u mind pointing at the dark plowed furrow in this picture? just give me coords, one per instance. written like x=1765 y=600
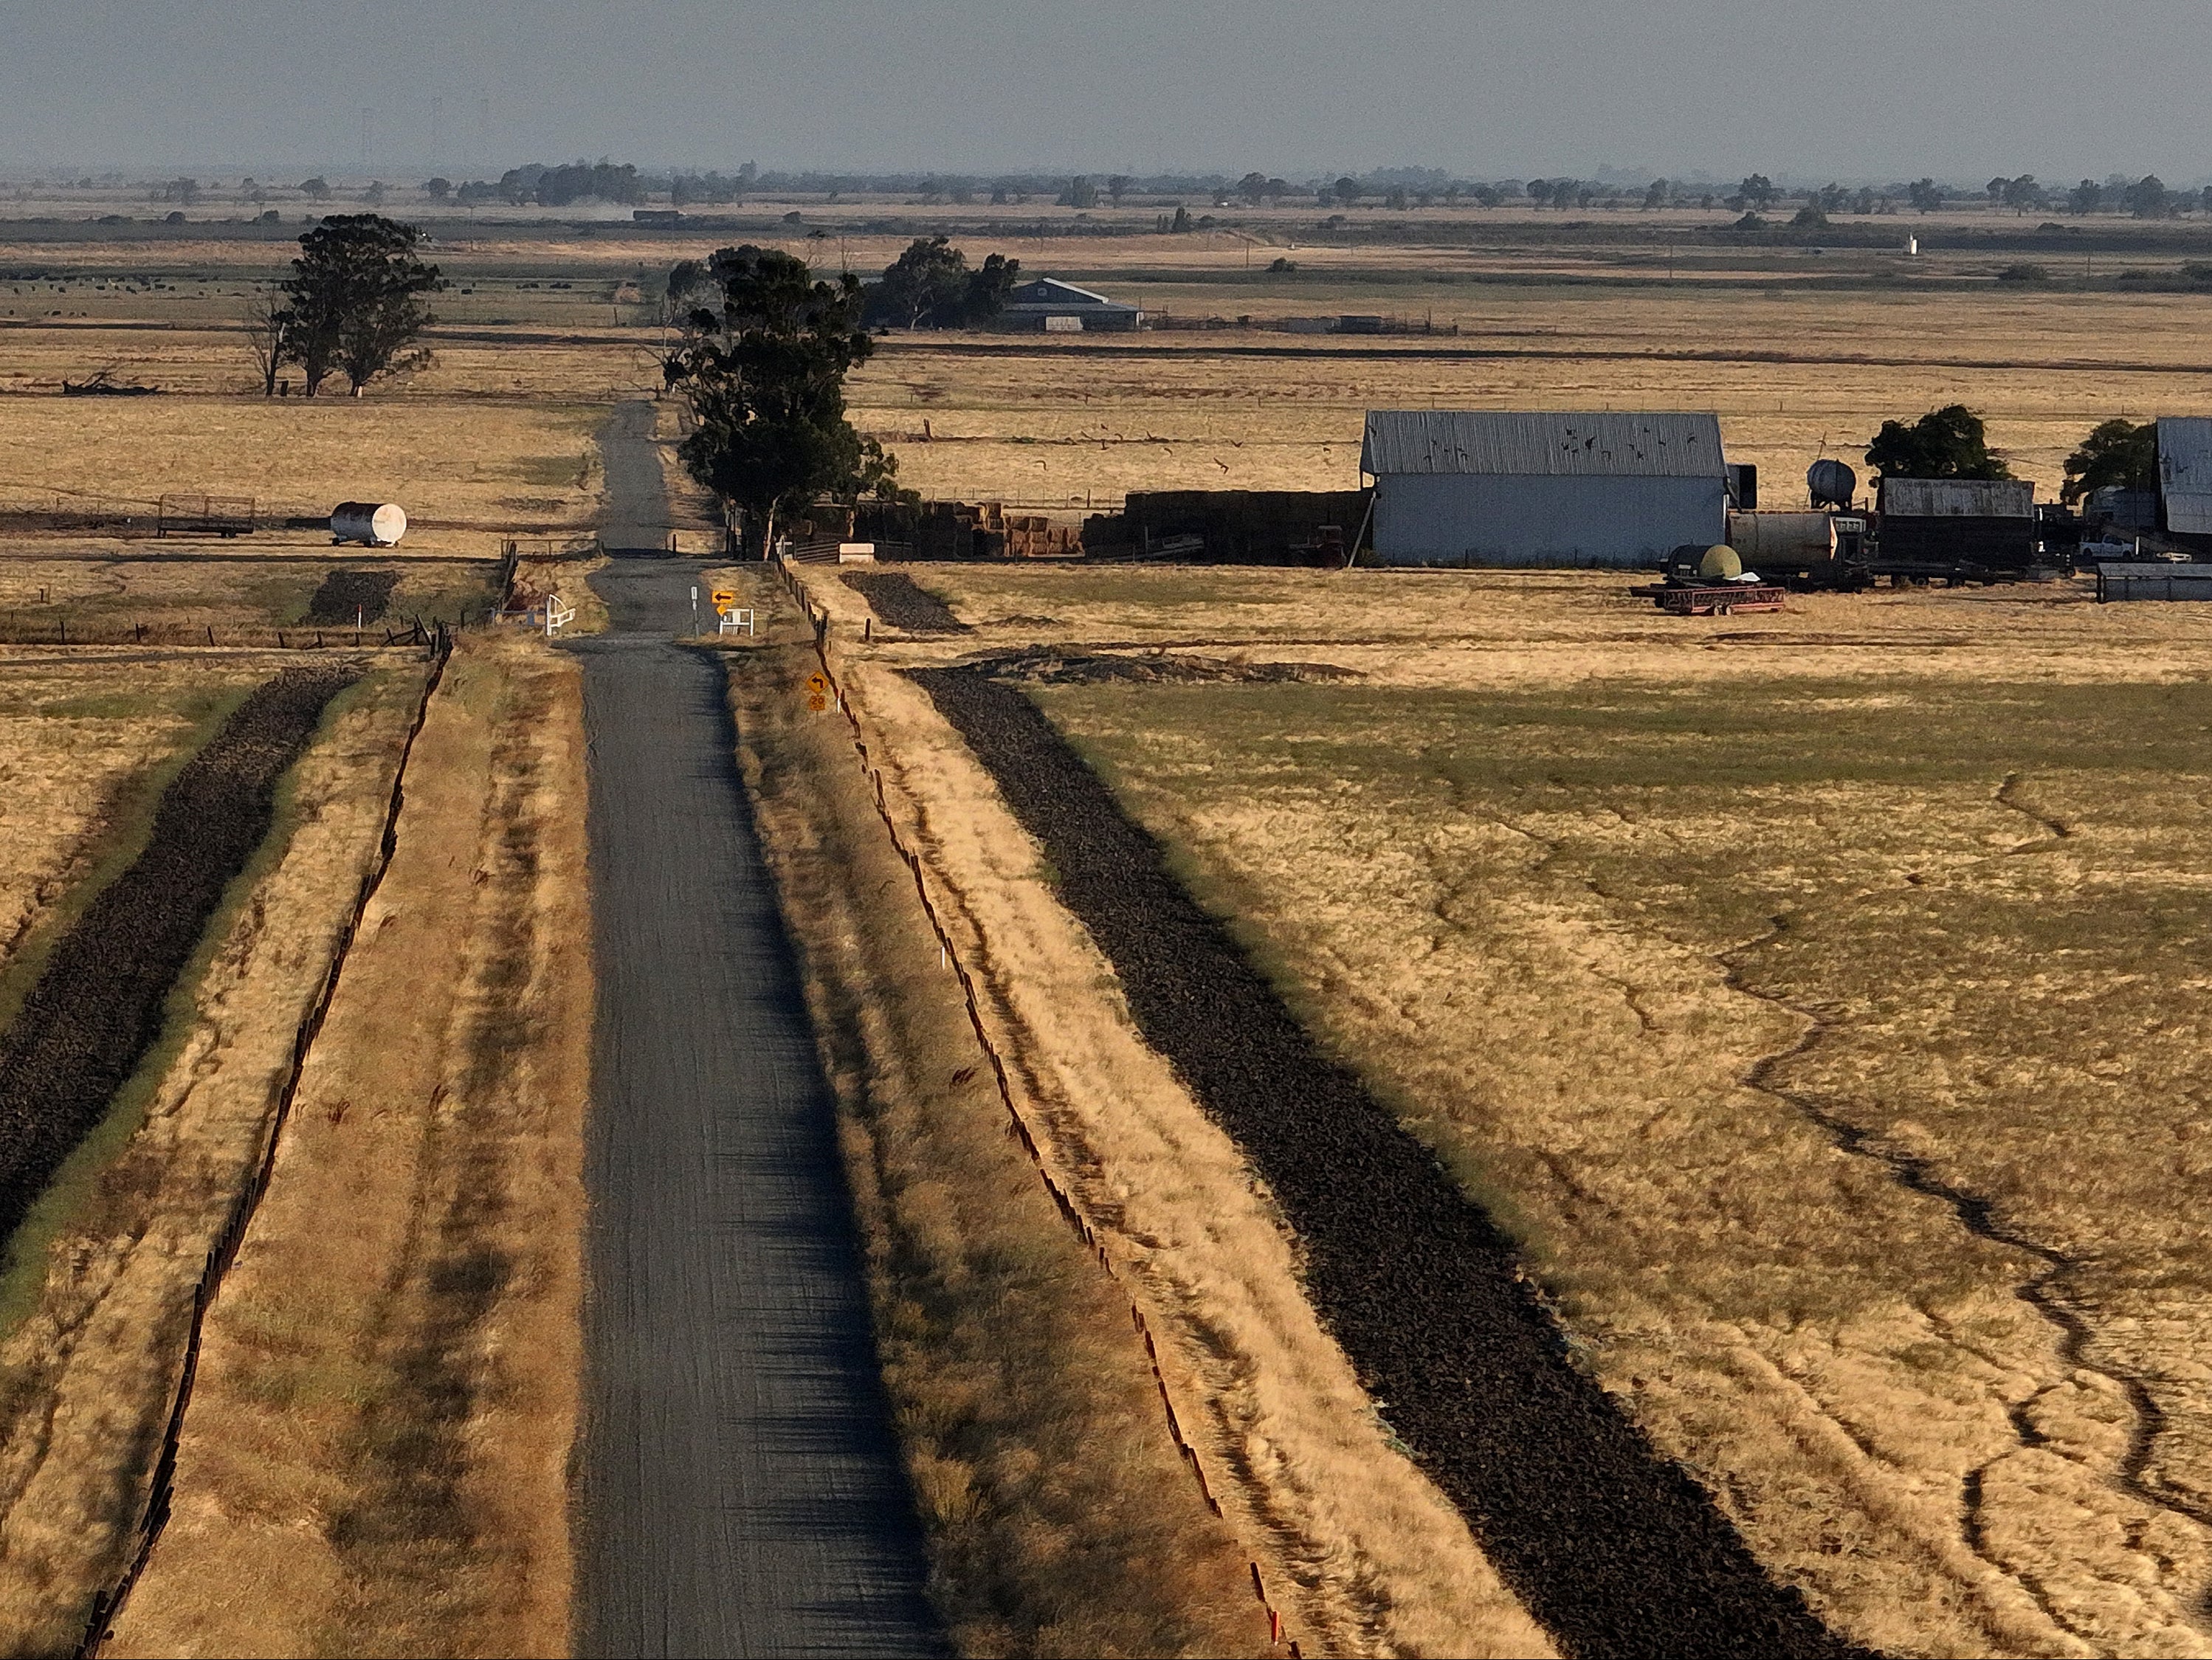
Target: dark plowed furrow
x=98 y=1007
x=352 y=596
x=1613 y=1548
x=898 y=603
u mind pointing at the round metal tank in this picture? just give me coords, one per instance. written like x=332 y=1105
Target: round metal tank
x=380 y=524
x=1832 y=483
x=1784 y=539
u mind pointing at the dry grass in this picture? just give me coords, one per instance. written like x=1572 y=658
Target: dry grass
x=104 y=590
x=1616 y=912
x=1058 y=425
x=102 y=1282
x=1365 y=1555
x=466 y=472
x=376 y=1461
x=1061 y=1519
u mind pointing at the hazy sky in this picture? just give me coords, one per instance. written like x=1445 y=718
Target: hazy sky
x=1490 y=88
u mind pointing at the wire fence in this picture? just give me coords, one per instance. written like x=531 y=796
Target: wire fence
x=411 y=631
x=161 y=1484
x=1018 y=1127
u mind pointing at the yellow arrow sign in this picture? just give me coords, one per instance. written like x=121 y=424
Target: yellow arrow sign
x=725 y=597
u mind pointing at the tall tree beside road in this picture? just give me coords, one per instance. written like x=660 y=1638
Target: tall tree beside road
x=1926 y=197
x=1946 y=443
x=766 y=388
x=353 y=299
x=2087 y=197
x=2116 y=453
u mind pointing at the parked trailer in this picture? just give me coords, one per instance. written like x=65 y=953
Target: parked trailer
x=2153 y=581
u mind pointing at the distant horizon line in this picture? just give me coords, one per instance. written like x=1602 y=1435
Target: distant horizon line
x=20 y=173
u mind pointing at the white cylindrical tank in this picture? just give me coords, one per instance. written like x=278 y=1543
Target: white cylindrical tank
x=380 y=524
x=1782 y=539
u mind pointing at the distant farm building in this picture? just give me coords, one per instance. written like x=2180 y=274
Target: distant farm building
x=1953 y=526
x=1057 y=308
x=1461 y=487
x=2184 y=478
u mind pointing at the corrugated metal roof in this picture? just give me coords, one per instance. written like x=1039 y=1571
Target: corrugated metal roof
x=1521 y=443
x=1959 y=498
x=1051 y=291
x=2185 y=472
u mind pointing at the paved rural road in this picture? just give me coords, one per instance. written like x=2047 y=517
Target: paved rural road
x=740 y=1490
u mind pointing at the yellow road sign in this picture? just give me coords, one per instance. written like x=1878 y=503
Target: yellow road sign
x=725 y=597
x=818 y=683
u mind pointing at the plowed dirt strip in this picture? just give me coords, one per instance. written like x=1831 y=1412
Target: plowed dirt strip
x=892 y=595
x=85 y=1025
x=1615 y=1551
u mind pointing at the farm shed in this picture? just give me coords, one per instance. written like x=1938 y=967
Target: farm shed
x=2153 y=581
x=1052 y=306
x=1945 y=526
x=1466 y=487
x=2185 y=477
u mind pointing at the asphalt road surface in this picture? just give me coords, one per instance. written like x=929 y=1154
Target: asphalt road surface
x=740 y=1492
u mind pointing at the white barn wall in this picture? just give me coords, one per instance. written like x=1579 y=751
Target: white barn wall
x=1515 y=519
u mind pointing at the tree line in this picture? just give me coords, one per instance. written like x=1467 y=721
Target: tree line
x=1952 y=442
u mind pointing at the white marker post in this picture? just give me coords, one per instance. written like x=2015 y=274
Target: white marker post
x=695 y=608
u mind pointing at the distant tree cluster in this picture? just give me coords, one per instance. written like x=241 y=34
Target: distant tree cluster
x=352 y=305
x=931 y=285
x=1946 y=443
x=2117 y=454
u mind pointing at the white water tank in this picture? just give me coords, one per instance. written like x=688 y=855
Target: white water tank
x=378 y=524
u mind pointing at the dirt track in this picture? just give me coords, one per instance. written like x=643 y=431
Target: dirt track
x=98 y=1005
x=1614 y=1550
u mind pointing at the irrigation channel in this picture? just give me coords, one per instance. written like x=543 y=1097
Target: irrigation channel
x=98 y=1004
x=740 y=1492
x=1617 y=1551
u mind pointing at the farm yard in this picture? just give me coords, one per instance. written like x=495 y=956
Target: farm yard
x=1759 y=1053
x=1801 y=1064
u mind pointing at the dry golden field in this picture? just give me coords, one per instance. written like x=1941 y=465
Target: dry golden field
x=100 y=1279
x=1065 y=422
x=375 y=1460
x=1800 y=988
x=1814 y=994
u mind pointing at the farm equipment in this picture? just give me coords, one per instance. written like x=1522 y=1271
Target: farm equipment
x=1710 y=582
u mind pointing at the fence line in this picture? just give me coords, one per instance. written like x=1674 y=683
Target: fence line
x=417 y=632
x=1017 y=1125
x=160 y=1487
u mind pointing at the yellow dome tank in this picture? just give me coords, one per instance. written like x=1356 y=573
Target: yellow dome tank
x=1720 y=563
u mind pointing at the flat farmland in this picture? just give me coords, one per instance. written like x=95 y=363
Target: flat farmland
x=1817 y=1001
x=76 y=734
x=1792 y=375
x=469 y=471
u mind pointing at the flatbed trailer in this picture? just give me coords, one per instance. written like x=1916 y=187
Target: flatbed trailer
x=1713 y=599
